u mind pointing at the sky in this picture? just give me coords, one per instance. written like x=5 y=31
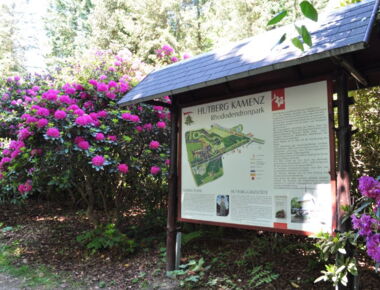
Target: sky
x=32 y=29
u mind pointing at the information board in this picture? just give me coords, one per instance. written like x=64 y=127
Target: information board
x=260 y=161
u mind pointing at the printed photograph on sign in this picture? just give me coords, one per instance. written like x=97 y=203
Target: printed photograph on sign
x=259 y=160
x=222 y=205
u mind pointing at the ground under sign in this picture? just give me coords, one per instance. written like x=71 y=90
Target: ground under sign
x=260 y=161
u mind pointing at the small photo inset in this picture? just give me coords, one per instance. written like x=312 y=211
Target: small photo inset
x=222 y=205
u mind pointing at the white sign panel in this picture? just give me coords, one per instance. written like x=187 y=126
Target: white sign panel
x=261 y=160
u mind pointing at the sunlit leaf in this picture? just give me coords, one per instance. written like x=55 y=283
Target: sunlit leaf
x=306 y=36
x=297 y=43
x=309 y=11
x=276 y=19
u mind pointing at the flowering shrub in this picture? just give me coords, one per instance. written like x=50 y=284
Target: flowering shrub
x=367 y=223
x=66 y=136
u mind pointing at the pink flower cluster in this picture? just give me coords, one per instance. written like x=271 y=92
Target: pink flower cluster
x=83 y=117
x=368 y=224
x=26 y=187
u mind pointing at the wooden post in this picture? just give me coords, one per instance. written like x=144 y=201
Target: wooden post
x=172 y=198
x=343 y=176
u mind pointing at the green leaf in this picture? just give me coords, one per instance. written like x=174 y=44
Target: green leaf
x=309 y=11
x=282 y=39
x=342 y=251
x=306 y=36
x=276 y=19
x=297 y=43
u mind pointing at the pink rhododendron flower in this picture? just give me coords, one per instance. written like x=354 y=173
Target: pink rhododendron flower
x=174 y=59
x=60 y=114
x=65 y=99
x=112 y=138
x=126 y=116
x=155 y=170
x=83 y=120
x=139 y=128
x=43 y=112
x=14 y=145
x=135 y=118
x=79 y=139
x=110 y=95
x=94 y=115
x=53 y=132
x=5 y=160
x=6 y=152
x=26 y=187
x=154 y=144
x=112 y=84
x=148 y=126
x=99 y=136
x=102 y=87
x=167 y=162
x=68 y=89
x=72 y=107
x=117 y=63
x=31 y=119
x=111 y=68
x=102 y=114
x=186 y=55
x=15 y=153
x=161 y=124
x=50 y=95
x=102 y=77
x=84 y=145
x=123 y=87
x=158 y=108
x=24 y=133
x=36 y=88
x=123 y=168
x=24 y=116
x=93 y=82
x=42 y=123
x=84 y=95
x=79 y=112
x=98 y=160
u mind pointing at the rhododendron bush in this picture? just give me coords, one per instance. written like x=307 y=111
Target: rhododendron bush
x=65 y=137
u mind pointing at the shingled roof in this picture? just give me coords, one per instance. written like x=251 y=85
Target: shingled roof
x=337 y=32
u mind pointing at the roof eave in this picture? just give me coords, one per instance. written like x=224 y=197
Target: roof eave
x=297 y=61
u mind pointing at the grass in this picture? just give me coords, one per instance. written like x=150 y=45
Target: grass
x=30 y=276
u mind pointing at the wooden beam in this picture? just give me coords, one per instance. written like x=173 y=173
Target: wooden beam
x=349 y=67
x=171 y=227
x=343 y=176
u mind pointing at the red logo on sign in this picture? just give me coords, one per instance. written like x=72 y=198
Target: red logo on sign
x=278 y=100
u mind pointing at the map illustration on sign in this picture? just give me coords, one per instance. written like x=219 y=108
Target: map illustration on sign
x=206 y=147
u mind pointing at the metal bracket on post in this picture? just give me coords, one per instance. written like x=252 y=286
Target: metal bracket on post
x=178 y=250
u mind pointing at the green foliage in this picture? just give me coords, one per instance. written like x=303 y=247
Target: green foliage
x=189 y=237
x=190 y=274
x=365 y=117
x=335 y=247
x=261 y=276
x=308 y=10
x=106 y=237
x=277 y=18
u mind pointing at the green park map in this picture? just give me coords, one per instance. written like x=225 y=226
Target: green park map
x=205 y=149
